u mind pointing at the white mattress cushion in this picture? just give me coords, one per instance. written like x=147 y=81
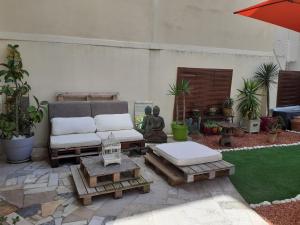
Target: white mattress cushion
x=109 y=122
x=122 y=135
x=72 y=125
x=74 y=140
x=187 y=153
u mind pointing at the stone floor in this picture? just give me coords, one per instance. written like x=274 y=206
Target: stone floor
x=45 y=196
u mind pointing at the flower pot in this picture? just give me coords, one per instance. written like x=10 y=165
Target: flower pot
x=272 y=136
x=17 y=150
x=228 y=112
x=215 y=130
x=251 y=126
x=180 y=132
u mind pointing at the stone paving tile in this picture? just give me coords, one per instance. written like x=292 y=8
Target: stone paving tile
x=84 y=213
x=22 y=221
x=29 y=210
x=69 y=209
x=58 y=221
x=39 y=190
x=45 y=221
x=49 y=208
x=63 y=190
x=53 y=179
x=42 y=197
x=30 y=179
x=38 y=185
x=6 y=208
x=11 y=181
x=15 y=197
x=97 y=220
x=82 y=222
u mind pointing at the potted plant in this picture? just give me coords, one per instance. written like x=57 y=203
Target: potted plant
x=227 y=107
x=249 y=106
x=180 y=129
x=16 y=122
x=266 y=76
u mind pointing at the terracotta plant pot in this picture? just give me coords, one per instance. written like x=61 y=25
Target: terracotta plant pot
x=227 y=112
x=215 y=130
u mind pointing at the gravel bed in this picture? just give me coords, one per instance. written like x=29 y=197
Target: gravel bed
x=248 y=140
x=281 y=214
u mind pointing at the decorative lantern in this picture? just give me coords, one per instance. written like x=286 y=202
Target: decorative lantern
x=111 y=150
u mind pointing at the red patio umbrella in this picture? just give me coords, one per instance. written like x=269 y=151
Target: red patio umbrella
x=284 y=13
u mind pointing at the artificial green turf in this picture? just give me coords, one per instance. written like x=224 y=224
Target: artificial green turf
x=266 y=174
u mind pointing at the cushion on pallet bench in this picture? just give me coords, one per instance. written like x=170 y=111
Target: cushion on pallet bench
x=187 y=153
x=122 y=135
x=109 y=122
x=72 y=125
x=74 y=140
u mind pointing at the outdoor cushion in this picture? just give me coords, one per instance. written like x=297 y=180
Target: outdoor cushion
x=72 y=125
x=122 y=135
x=187 y=153
x=109 y=122
x=74 y=140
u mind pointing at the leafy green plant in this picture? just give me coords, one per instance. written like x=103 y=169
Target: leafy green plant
x=266 y=75
x=17 y=121
x=175 y=91
x=248 y=100
x=3 y=219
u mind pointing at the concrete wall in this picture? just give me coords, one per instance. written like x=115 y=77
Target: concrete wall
x=138 y=73
x=191 y=22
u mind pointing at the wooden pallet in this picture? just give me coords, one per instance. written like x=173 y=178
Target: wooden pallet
x=186 y=174
x=63 y=153
x=133 y=145
x=97 y=174
x=86 y=193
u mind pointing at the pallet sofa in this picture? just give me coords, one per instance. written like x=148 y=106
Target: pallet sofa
x=77 y=128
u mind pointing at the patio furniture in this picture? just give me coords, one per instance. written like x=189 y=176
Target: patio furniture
x=186 y=162
x=92 y=178
x=73 y=128
x=227 y=132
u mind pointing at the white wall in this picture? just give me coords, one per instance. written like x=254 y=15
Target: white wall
x=192 y=22
x=136 y=72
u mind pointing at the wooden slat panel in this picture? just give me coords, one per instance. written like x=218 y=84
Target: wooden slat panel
x=288 y=88
x=207 y=87
x=108 y=187
x=125 y=184
x=100 y=189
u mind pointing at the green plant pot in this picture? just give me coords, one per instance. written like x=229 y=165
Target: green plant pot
x=180 y=132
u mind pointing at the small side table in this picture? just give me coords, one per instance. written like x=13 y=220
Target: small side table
x=227 y=132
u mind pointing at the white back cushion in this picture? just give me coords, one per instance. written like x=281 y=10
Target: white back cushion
x=72 y=125
x=107 y=122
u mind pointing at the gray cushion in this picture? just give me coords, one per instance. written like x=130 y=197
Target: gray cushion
x=69 y=109
x=108 y=107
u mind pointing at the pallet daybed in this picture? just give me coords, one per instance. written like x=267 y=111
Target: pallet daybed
x=176 y=175
x=85 y=109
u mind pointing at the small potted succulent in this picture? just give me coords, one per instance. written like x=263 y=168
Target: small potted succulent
x=227 y=107
x=17 y=121
x=180 y=129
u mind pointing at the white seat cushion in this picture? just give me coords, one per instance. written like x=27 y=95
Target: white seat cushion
x=109 y=122
x=122 y=135
x=72 y=125
x=74 y=140
x=187 y=153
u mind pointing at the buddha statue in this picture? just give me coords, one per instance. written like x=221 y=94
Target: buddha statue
x=145 y=127
x=154 y=128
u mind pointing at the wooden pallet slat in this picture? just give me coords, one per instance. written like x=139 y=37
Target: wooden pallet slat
x=89 y=190
x=78 y=181
x=125 y=184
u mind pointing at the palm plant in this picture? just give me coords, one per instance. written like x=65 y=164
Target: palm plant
x=175 y=91
x=266 y=75
x=248 y=99
x=185 y=89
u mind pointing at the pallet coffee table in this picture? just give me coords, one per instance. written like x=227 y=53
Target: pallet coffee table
x=176 y=175
x=92 y=178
